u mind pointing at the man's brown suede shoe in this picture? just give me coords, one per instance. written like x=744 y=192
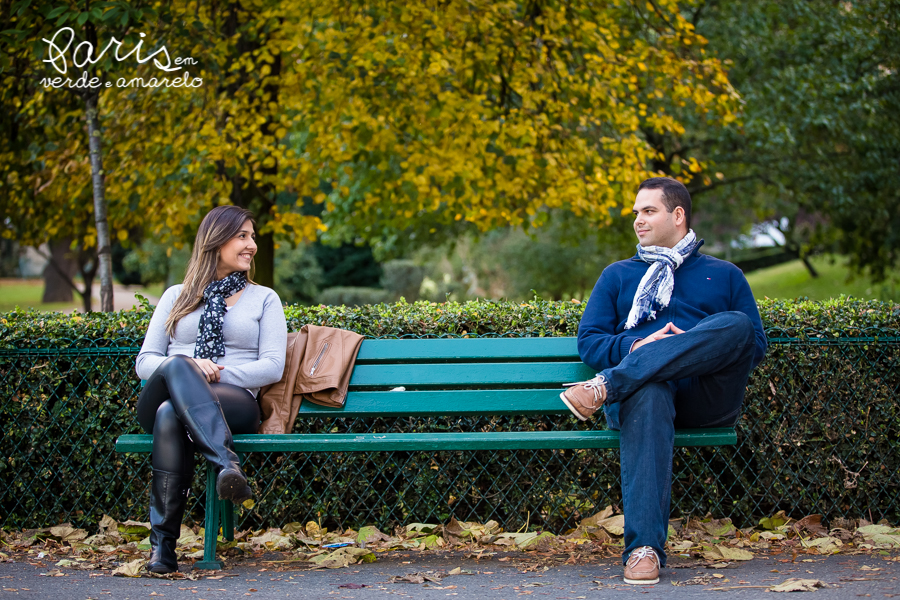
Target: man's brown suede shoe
x=584 y=398
x=642 y=567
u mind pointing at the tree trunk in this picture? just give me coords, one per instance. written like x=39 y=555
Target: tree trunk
x=104 y=253
x=265 y=254
x=87 y=266
x=58 y=273
x=244 y=192
x=265 y=260
x=812 y=270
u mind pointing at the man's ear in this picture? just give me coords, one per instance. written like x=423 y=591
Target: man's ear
x=678 y=215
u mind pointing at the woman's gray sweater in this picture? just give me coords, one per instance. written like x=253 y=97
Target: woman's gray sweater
x=255 y=333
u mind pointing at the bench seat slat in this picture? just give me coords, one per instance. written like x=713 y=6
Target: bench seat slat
x=443 y=403
x=481 y=375
x=461 y=350
x=371 y=442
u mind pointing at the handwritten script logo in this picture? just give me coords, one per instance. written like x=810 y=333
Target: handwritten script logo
x=85 y=53
x=58 y=54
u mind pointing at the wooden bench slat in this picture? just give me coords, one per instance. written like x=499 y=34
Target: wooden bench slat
x=407 y=350
x=480 y=375
x=443 y=403
x=506 y=440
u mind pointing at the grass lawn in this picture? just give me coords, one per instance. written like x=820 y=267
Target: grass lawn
x=27 y=293
x=156 y=290
x=791 y=280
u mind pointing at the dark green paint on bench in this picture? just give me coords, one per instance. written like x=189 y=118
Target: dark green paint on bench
x=434 y=442
x=464 y=377
x=480 y=375
x=542 y=401
x=463 y=350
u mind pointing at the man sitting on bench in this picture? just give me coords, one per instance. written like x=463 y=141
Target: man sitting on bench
x=674 y=335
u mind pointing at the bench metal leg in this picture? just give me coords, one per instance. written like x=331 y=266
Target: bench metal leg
x=226 y=510
x=211 y=524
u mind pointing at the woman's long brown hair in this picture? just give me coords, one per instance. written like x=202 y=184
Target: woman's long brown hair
x=218 y=226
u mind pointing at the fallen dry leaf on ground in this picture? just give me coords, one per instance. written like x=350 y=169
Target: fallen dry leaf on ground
x=810 y=523
x=721 y=552
x=701 y=579
x=131 y=569
x=825 y=545
x=798 y=585
x=416 y=578
x=121 y=547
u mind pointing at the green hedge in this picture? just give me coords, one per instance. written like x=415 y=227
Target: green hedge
x=843 y=317
x=819 y=433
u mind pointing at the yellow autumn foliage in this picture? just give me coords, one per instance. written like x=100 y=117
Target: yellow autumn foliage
x=393 y=116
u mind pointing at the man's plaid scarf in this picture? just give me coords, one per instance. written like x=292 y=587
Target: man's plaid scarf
x=655 y=289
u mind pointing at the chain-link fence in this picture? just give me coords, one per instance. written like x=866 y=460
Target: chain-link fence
x=820 y=433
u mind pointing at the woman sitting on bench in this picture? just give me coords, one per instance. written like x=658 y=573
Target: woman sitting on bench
x=212 y=342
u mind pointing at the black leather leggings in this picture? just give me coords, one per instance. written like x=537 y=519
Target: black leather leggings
x=174 y=387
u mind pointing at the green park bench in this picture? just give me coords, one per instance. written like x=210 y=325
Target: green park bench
x=442 y=377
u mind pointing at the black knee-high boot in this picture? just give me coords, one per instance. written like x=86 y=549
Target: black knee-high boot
x=211 y=435
x=168 y=499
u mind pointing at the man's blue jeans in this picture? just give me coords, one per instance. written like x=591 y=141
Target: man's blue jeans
x=689 y=380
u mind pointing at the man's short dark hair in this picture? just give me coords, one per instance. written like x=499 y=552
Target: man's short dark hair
x=673 y=194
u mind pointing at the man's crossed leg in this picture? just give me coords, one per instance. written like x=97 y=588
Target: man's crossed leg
x=692 y=379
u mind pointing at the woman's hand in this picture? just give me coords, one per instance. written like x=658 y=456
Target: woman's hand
x=209 y=368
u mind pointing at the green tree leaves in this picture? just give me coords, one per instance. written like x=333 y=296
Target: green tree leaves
x=819 y=134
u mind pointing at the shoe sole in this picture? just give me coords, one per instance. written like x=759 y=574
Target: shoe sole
x=233 y=487
x=581 y=417
x=161 y=570
x=641 y=581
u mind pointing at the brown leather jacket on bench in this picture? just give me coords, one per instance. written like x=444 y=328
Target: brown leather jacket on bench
x=317 y=366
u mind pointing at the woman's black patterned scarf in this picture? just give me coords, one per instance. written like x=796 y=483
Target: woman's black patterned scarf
x=210 y=341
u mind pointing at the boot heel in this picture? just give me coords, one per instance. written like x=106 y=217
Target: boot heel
x=232 y=485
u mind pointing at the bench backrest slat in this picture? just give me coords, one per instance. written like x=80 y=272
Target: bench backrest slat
x=464 y=350
x=468 y=375
x=439 y=403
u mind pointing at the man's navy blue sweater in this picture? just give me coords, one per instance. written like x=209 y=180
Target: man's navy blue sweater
x=704 y=286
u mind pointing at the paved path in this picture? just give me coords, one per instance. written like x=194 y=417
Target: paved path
x=872 y=576
x=123 y=296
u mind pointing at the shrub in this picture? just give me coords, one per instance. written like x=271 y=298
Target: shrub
x=156 y=262
x=298 y=276
x=820 y=432
x=403 y=279
x=352 y=296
